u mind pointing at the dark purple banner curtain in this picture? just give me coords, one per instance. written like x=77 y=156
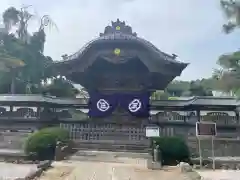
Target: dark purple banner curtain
x=101 y=105
x=136 y=104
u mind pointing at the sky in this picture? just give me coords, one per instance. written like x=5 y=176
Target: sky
x=192 y=29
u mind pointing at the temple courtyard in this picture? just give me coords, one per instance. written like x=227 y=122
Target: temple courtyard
x=109 y=171
x=10 y=171
x=74 y=170
x=220 y=175
x=126 y=168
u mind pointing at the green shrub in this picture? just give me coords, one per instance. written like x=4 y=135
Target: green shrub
x=172 y=150
x=41 y=144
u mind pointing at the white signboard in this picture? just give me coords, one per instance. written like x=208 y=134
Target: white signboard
x=152 y=131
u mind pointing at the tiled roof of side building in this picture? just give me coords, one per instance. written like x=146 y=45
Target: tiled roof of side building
x=39 y=98
x=175 y=103
x=22 y=98
x=215 y=101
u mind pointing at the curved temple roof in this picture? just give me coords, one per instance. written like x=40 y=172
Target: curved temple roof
x=162 y=67
x=120 y=32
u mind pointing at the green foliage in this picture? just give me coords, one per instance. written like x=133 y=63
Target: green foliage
x=41 y=144
x=228 y=73
x=231 y=10
x=56 y=88
x=176 y=88
x=197 y=89
x=37 y=40
x=58 y=133
x=23 y=64
x=172 y=150
x=11 y=17
x=159 y=95
x=203 y=87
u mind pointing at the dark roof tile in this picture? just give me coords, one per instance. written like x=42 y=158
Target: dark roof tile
x=215 y=101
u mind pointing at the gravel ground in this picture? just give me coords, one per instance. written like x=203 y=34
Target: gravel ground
x=220 y=175
x=12 y=171
x=57 y=173
x=111 y=171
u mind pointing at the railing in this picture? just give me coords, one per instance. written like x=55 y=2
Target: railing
x=65 y=115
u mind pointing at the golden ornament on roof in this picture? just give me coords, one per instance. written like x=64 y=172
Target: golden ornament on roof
x=117 y=51
x=118 y=28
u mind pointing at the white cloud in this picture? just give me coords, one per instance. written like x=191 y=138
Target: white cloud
x=173 y=26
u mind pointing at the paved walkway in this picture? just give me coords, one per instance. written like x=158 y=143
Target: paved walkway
x=117 y=171
x=12 y=171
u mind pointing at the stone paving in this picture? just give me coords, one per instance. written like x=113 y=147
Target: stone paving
x=12 y=171
x=57 y=173
x=220 y=175
x=117 y=171
x=131 y=171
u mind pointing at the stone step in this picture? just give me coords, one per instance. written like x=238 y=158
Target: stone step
x=111 y=154
x=114 y=157
x=112 y=146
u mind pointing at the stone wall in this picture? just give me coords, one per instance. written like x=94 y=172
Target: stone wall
x=222 y=147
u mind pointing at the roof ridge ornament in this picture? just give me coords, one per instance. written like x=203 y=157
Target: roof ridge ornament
x=118 y=27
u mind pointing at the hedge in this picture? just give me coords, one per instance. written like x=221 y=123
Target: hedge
x=41 y=144
x=172 y=150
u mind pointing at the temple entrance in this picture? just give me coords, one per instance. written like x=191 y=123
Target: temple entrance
x=118 y=70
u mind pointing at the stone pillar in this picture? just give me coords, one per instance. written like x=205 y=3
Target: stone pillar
x=59 y=155
x=156 y=162
x=155 y=154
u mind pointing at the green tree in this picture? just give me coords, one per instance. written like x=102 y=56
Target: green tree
x=202 y=87
x=196 y=89
x=29 y=48
x=159 y=95
x=228 y=74
x=9 y=63
x=231 y=9
x=55 y=88
x=177 y=88
x=10 y=18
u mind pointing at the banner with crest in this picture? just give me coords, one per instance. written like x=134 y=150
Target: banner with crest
x=101 y=105
x=137 y=104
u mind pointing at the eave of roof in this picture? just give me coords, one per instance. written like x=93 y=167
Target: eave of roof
x=194 y=102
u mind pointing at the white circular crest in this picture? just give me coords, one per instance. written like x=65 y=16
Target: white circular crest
x=135 y=105
x=103 y=105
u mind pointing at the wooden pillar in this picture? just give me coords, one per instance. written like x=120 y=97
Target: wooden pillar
x=237 y=117
x=38 y=112
x=11 y=108
x=198 y=115
x=185 y=116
